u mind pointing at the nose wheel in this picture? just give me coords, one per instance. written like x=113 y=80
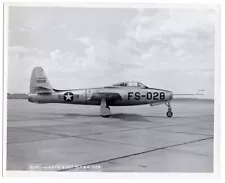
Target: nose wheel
x=169 y=113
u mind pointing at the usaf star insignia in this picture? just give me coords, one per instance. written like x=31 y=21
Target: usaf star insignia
x=68 y=96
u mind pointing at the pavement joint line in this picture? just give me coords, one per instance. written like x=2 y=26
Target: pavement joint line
x=75 y=125
x=42 y=132
x=100 y=140
x=135 y=154
x=183 y=124
x=88 y=138
x=150 y=128
x=81 y=136
x=165 y=125
x=178 y=150
x=72 y=136
x=9 y=143
x=75 y=136
x=183 y=132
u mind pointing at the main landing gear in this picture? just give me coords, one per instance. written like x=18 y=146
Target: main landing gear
x=169 y=113
x=104 y=110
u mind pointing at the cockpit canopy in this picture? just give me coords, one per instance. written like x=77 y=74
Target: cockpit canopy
x=131 y=84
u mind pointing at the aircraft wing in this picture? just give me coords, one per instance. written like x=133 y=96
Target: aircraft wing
x=109 y=96
x=157 y=103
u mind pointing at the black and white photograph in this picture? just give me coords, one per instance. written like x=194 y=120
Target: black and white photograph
x=111 y=88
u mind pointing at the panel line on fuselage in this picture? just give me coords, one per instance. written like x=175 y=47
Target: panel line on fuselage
x=86 y=96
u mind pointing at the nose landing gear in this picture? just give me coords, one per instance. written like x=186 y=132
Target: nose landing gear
x=169 y=113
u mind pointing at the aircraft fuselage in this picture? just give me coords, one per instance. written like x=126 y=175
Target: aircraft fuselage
x=114 y=96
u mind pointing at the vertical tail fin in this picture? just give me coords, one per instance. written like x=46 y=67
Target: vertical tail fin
x=39 y=82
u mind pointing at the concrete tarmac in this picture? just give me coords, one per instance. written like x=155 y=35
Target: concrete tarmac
x=60 y=137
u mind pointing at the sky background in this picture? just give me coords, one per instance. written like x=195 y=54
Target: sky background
x=171 y=49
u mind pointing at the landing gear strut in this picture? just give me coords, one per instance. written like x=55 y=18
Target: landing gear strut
x=104 y=109
x=169 y=113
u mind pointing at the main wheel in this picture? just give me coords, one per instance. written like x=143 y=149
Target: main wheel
x=169 y=114
x=106 y=116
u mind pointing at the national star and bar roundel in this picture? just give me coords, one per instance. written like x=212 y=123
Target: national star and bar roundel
x=68 y=96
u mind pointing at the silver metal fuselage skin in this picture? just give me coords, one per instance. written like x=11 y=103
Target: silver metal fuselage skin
x=115 y=96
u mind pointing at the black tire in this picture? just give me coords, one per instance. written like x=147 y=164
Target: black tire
x=169 y=114
x=106 y=116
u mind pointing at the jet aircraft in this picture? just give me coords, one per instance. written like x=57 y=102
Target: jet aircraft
x=128 y=93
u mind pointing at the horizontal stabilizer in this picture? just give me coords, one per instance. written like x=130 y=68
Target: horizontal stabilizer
x=42 y=90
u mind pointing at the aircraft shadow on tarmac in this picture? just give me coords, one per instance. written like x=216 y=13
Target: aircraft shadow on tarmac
x=129 y=116
x=121 y=116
